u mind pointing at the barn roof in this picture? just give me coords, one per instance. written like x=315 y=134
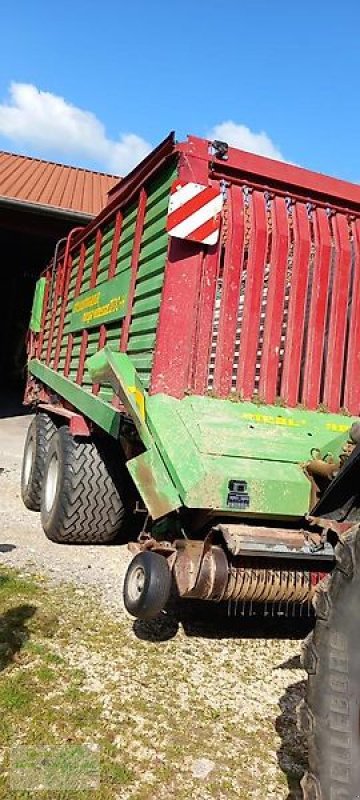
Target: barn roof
x=46 y=183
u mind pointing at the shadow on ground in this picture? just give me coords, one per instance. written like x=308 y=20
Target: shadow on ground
x=211 y=621
x=292 y=754
x=14 y=632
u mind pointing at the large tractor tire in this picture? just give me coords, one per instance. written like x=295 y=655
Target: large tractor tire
x=330 y=717
x=37 y=442
x=80 y=502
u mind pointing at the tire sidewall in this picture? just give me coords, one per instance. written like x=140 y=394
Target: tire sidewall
x=30 y=440
x=49 y=517
x=38 y=437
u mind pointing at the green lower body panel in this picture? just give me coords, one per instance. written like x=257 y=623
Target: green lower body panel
x=204 y=453
x=235 y=457
x=97 y=410
x=151 y=478
x=240 y=457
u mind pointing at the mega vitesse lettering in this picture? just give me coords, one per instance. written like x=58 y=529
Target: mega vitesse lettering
x=104 y=303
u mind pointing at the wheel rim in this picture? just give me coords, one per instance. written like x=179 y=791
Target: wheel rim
x=136 y=584
x=28 y=460
x=52 y=477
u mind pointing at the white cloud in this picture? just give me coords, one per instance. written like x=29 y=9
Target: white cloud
x=49 y=122
x=245 y=139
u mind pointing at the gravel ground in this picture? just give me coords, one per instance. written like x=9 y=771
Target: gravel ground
x=22 y=541
x=249 y=669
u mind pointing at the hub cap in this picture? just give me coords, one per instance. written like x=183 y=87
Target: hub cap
x=51 y=482
x=28 y=461
x=136 y=584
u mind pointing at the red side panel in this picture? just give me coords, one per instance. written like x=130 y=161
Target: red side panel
x=205 y=316
x=134 y=268
x=338 y=315
x=39 y=345
x=102 y=342
x=65 y=293
x=115 y=244
x=252 y=306
x=230 y=296
x=85 y=333
x=55 y=285
x=297 y=305
x=274 y=301
x=96 y=259
x=317 y=314
x=352 y=375
x=111 y=273
x=77 y=292
x=172 y=366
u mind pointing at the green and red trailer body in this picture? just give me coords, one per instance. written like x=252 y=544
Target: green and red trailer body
x=228 y=337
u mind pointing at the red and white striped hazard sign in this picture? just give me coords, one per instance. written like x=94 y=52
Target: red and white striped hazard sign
x=194 y=212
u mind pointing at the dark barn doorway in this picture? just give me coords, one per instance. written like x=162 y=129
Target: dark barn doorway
x=27 y=243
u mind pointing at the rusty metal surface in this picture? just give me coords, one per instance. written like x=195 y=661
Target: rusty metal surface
x=241 y=537
x=205 y=572
x=33 y=180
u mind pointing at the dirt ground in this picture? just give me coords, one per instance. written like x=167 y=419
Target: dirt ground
x=243 y=675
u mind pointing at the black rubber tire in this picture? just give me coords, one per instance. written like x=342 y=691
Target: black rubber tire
x=85 y=506
x=331 y=656
x=37 y=442
x=147 y=602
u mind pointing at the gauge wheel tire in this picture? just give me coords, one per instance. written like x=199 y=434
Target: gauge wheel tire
x=147 y=585
x=329 y=717
x=80 y=502
x=37 y=442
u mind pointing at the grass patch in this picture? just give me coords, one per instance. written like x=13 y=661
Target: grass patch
x=72 y=675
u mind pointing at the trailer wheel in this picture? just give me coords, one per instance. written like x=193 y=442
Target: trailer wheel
x=37 y=442
x=331 y=656
x=80 y=503
x=147 y=585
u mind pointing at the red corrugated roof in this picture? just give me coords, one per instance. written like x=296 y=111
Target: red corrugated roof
x=33 y=180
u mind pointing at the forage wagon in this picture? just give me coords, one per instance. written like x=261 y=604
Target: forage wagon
x=194 y=360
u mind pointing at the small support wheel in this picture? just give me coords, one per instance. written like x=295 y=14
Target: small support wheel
x=147 y=585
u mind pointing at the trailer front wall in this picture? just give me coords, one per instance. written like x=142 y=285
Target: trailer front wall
x=273 y=313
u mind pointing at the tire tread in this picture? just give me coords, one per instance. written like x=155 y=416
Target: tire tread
x=89 y=509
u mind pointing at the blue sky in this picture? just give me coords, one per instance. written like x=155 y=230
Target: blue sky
x=289 y=70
